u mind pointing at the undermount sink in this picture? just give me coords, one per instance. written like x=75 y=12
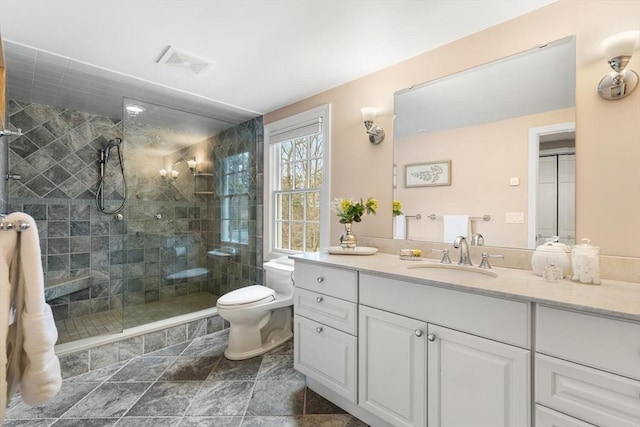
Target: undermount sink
x=453 y=271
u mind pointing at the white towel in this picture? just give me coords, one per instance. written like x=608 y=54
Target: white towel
x=33 y=362
x=454 y=226
x=400 y=231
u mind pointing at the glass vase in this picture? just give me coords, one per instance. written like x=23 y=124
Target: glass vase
x=348 y=240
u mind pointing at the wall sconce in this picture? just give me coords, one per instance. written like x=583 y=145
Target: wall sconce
x=376 y=133
x=164 y=174
x=618 y=49
x=192 y=165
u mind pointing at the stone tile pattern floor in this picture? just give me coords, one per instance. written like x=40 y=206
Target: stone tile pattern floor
x=190 y=384
x=107 y=322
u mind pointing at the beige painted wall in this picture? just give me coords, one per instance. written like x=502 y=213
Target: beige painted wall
x=607 y=132
x=483 y=159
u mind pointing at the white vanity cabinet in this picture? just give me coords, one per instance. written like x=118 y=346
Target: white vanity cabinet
x=417 y=373
x=392 y=367
x=325 y=327
x=587 y=367
x=474 y=381
x=399 y=352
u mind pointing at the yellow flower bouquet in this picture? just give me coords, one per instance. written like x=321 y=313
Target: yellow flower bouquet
x=397 y=208
x=351 y=211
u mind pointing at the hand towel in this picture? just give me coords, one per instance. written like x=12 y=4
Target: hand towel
x=454 y=226
x=400 y=231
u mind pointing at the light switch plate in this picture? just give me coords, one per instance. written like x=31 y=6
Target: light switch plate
x=515 y=218
x=514 y=182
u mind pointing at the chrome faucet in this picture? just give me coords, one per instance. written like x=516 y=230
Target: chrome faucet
x=461 y=242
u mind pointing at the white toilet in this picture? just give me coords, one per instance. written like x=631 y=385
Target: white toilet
x=259 y=316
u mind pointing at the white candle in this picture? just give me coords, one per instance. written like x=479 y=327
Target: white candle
x=174 y=174
x=163 y=173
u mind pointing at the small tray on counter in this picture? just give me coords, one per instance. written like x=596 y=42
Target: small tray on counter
x=358 y=250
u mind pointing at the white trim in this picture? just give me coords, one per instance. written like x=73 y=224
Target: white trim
x=534 y=153
x=324 y=113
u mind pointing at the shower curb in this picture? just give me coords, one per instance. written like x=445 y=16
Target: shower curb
x=83 y=356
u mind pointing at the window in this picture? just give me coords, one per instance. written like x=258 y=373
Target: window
x=296 y=167
x=234 y=198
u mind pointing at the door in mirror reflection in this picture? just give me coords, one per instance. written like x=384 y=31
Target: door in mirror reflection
x=556 y=191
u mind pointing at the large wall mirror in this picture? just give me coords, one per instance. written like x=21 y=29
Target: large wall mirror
x=504 y=135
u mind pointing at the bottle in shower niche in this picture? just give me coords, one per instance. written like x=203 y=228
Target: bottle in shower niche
x=585 y=262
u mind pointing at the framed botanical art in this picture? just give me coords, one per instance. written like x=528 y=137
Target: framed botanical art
x=428 y=174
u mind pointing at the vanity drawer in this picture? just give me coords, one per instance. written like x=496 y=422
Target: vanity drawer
x=334 y=312
x=495 y=318
x=326 y=355
x=594 y=396
x=546 y=417
x=602 y=342
x=327 y=280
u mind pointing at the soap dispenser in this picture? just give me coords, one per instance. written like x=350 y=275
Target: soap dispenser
x=585 y=260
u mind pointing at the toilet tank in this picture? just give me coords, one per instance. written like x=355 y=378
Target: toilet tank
x=277 y=274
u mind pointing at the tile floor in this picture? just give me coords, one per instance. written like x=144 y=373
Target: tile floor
x=190 y=384
x=107 y=322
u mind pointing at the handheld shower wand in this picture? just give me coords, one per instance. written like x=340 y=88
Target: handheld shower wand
x=104 y=159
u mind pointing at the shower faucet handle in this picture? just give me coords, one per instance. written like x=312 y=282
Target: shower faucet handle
x=7 y=132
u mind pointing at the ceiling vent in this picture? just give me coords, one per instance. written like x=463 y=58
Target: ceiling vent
x=180 y=59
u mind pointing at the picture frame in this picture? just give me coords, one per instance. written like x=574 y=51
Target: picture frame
x=429 y=174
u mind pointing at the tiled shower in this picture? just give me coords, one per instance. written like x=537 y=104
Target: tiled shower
x=159 y=251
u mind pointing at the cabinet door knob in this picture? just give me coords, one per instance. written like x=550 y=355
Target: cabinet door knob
x=318 y=299
x=319 y=279
x=418 y=332
x=431 y=337
x=319 y=329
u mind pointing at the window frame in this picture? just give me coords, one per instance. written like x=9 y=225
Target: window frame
x=230 y=200
x=271 y=165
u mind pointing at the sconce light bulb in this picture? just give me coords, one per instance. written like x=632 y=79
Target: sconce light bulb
x=621 y=44
x=368 y=114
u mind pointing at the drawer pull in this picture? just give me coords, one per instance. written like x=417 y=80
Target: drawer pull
x=431 y=337
x=319 y=279
x=318 y=299
x=319 y=329
x=418 y=332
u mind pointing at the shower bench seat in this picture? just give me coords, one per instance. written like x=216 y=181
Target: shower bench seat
x=56 y=288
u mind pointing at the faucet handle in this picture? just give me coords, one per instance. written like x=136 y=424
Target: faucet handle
x=485 y=259
x=445 y=255
x=477 y=240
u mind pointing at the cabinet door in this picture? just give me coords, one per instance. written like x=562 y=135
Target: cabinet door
x=326 y=355
x=392 y=367
x=474 y=381
x=546 y=417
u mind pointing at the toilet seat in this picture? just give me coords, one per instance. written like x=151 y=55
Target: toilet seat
x=249 y=295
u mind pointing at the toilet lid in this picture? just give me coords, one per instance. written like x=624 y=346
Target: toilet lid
x=247 y=295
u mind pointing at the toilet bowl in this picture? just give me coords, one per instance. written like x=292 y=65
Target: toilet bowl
x=259 y=316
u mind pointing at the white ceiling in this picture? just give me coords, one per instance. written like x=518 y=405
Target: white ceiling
x=268 y=53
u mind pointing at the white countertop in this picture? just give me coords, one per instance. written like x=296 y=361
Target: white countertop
x=613 y=298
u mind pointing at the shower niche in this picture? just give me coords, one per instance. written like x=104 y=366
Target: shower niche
x=203 y=183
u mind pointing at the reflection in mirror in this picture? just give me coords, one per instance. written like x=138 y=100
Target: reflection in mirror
x=483 y=122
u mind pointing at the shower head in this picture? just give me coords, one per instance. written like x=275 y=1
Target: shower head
x=113 y=143
x=104 y=153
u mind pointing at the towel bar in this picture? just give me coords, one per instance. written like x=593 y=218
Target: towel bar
x=433 y=217
x=16 y=226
